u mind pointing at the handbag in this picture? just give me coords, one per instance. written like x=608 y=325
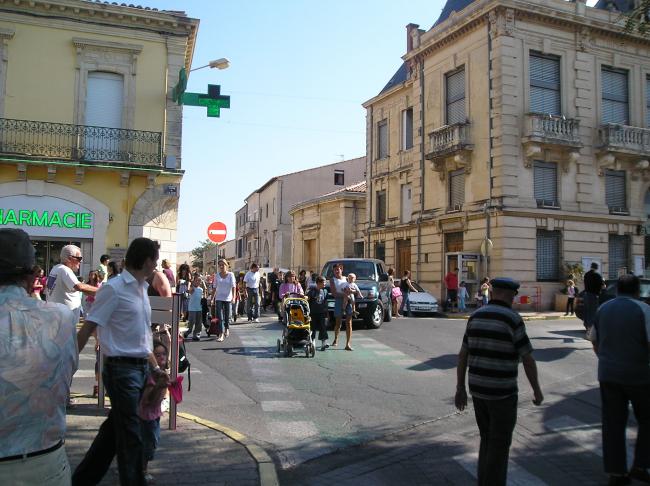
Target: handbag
x=395 y=293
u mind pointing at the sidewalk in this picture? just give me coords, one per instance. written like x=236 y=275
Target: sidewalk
x=526 y=315
x=194 y=454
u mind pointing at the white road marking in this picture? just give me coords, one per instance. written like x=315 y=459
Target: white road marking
x=292 y=430
x=393 y=352
x=281 y=405
x=406 y=363
x=84 y=374
x=374 y=346
x=87 y=357
x=517 y=475
x=275 y=388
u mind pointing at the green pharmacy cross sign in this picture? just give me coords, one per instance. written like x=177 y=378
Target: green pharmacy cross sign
x=213 y=101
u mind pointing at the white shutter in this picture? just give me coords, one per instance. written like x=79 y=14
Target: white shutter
x=614 y=96
x=615 y=190
x=456 y=188
x=104 y=100
x=545 y=84
x=456 y=98
x=548 y=255
x=545 y=182
x=647 y=101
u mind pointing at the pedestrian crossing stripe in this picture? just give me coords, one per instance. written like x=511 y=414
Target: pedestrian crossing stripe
x=517 y=475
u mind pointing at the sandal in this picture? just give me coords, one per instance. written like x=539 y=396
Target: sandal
x=349 y=348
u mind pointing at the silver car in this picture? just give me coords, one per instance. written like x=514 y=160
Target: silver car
x=421 y=301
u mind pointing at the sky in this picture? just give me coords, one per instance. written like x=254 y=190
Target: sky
x=300 y=70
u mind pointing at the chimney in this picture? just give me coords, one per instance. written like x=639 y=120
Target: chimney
x=410 y=29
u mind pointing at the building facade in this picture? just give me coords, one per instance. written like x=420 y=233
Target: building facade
x=512 y=141
x=90 y=139
x=264 y=234
x=330 y=226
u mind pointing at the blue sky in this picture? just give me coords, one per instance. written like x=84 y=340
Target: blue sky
x=300 y=70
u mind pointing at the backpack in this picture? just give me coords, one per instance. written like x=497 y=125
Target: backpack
x=183 y=362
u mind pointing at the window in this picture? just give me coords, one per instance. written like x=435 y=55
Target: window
x=407 y=129
x=273 y=205
x=381 y=208
x=407 y=206
x=647 y=101
x=380 y=251
x=358 y=249
x=615 y=191
x=615 y=96
x=456 y=189
x=545 y=84
x=548 y=255
x=382 y=139
x=619 y=246
x=339 y=177
x=455 y=84
x=240 y=248
x=545 y=182
x=267 y=210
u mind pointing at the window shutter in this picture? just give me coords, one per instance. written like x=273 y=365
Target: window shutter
x=456 y=188
x=545 y=181
x=618 y=254
x=407 y=129
x=545 y=84
x=548 y=255
x=647 y=102
x=456 y=98
x=382 y=136
x=615 y=190
x=614 y=96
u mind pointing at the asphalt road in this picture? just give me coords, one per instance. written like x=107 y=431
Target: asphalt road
x=399 y=376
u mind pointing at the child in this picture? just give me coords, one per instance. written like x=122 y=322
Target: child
x=351 y=291
x=318 y=309
x=571 y=292
x=149 y=409
x=462 y=297
x=194 y=309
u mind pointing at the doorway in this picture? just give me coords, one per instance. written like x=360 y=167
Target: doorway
x=48 y=252
x=402 y=256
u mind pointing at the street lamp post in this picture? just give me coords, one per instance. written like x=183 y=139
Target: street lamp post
x=221 y=63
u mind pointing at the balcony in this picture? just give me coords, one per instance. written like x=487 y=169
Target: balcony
x=449 y=140
x=80 y=143
x=625 y=140
x=249 y=227
x=552 y=130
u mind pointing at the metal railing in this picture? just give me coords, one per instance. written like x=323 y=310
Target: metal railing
x=80 y=143
x=553 y=128
x=449 y=138
x=625 y=138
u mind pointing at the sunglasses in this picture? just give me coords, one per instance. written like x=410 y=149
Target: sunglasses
x=78 y=258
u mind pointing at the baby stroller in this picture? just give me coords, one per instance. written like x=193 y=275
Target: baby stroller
x=296 y=332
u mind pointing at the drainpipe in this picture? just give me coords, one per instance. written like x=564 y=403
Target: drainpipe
x=488 y=206
x=422 y=175
x=369 y=169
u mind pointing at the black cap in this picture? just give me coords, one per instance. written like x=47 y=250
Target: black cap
x=504 y=283
x=18 y=254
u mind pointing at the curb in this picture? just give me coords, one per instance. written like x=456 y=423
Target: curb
x=525 y=318
x=265 y=465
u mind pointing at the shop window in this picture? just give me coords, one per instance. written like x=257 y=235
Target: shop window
x=545 y=182
x=545 y=84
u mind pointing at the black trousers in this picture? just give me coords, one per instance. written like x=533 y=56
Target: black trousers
x=615 y=402
x=319 y=323
x=496 y=420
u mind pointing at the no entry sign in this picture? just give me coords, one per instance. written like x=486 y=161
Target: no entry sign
x=217 y=232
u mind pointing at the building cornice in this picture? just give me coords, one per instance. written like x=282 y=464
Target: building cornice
x=339 y=196
x=81 y=43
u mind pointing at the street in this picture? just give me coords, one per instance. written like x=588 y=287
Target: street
x=393 y=398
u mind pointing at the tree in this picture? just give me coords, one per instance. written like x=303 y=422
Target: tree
x=197 y=253
x=638 y=18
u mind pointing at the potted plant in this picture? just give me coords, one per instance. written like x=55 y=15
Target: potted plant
x=571 y=271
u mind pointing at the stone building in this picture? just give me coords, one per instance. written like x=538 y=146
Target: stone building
x=513 y=140
x=263 y=225
x=329 y=226
x=90 y=139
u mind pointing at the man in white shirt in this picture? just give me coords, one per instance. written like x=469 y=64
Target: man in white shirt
x=63 y=286
x=103 y=267
x=252 y=281
x=122 y=315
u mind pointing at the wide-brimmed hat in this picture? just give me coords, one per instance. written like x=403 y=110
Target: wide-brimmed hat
x=17 y=254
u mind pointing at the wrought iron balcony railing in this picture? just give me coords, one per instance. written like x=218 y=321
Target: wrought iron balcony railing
x=626 y=139
x=556 y=130
x=250 y=227
x=448 y=139
x=80 y=143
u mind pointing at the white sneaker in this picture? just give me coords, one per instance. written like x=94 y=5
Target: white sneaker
x=220 y=338
x=256 y=320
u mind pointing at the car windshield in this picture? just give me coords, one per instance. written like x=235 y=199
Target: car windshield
x=363 y=270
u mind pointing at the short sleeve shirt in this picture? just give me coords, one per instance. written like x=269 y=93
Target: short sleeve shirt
x=194 y=305
x=60 y=287
x=122 y=313
x=223 y=286
x=252 y=280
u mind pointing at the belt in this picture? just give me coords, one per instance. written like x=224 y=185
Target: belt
x=126 y=359
x=33 y=454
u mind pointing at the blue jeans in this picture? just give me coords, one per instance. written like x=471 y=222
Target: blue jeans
x=223 y=311
x=253 y=303
x=120 y=434
x=150 y=437
x=405 y=302
x=461 y=304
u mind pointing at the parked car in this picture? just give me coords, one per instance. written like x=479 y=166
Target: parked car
x=609 y=292
x=421 y=301
x=374 y=308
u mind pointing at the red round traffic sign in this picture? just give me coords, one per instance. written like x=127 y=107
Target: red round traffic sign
x=217 y=232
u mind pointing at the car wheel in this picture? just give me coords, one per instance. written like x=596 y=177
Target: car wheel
x=374 y=320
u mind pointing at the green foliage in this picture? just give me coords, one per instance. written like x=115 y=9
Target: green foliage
x=573 y=271
x=197 y=253
x=637 y=20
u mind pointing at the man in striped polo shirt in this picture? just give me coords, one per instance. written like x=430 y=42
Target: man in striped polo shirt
x=494 y=342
